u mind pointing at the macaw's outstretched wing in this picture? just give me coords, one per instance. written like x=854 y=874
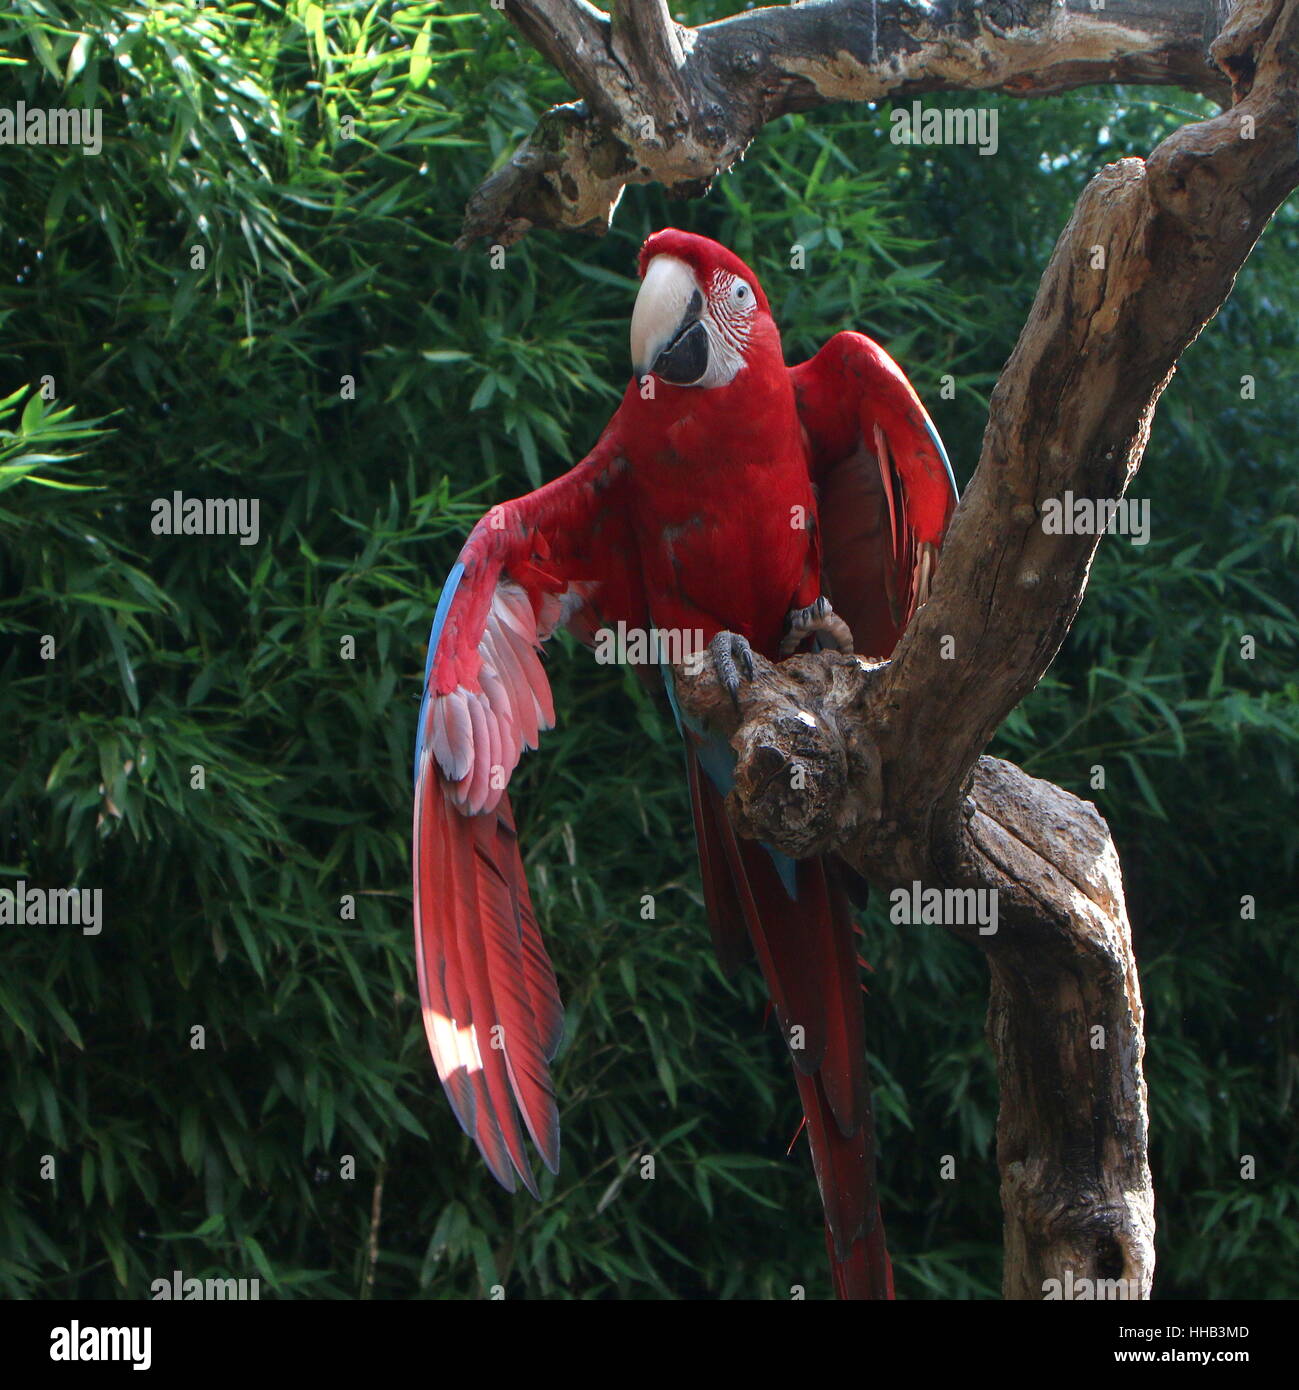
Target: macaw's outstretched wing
x=885 y=488
x=492 y=1014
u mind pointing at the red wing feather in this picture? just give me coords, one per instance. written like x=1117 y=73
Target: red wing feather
x=490 y=1002
x=885 y=487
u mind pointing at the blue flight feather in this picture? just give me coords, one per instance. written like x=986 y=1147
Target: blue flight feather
x=942 y=454
x=434 y=637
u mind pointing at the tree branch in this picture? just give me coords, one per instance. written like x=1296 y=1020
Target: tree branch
x=667 y=103
x=891 y=775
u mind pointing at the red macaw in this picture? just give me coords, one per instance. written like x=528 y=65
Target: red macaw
x=729 y=495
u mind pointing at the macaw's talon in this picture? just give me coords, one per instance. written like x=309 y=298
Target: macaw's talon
x=728 y=652
x=816 y=617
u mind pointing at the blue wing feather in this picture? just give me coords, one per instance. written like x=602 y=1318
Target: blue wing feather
x=942 y=453
x=435 y=636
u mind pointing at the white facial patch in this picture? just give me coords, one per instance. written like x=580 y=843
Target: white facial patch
x=669 y=293
x=728 y=321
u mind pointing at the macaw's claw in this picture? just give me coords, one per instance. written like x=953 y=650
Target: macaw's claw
x=728 y=651
x=816 y=617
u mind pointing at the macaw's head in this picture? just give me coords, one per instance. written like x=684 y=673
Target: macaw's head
x=701 y=316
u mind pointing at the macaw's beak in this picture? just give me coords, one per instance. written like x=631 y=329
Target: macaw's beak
x=668 y=337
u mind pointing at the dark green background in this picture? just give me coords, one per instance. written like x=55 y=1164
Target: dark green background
x=328 y=256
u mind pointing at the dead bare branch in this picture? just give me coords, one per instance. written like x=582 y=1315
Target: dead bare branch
x=661 y=102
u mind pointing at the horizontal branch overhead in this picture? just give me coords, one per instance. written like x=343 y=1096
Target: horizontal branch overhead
x=662 y=102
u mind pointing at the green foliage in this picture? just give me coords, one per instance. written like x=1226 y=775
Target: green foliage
x=271 y=215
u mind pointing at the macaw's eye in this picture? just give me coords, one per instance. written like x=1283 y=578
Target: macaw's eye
x=741 y=294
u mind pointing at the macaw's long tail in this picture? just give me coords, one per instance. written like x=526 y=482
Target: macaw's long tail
x=806 y=950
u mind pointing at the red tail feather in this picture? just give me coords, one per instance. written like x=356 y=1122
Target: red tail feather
x=805 y=948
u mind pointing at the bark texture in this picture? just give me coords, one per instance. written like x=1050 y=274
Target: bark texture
x=662 y=102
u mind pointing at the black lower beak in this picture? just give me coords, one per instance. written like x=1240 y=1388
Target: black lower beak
x=685 y=359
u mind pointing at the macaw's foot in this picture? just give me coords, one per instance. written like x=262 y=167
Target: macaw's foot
x=816 y=617
x=729 y=652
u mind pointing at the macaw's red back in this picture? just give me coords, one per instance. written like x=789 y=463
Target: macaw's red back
x=702 y=510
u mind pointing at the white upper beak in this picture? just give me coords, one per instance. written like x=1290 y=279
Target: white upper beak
x=665 y=294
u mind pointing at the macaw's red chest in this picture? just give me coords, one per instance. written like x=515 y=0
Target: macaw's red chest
x=725 y=518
